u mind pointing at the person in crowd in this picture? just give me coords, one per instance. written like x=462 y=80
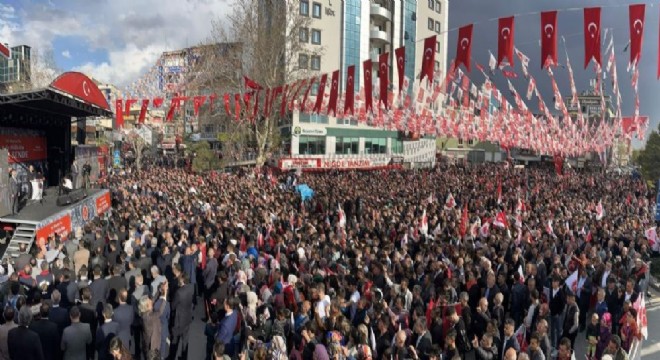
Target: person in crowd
x=24 y=343
x=49 y=335
x=76 y=337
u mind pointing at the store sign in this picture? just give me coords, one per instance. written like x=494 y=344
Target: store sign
x=297 y=131
x=354 y=163
x=289 y=164
x=420 y=151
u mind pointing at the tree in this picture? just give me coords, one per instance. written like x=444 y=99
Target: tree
x=204 y=158
x=649 y=157
x=138 y=145
x=268 y=33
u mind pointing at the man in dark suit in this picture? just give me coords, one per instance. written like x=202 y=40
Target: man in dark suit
x=509 y=341
x=24 y=343
x=14 y=191
x=88 y=316
x=48 y=334
x=124 y=316
x=423 y=343
x=108 y=330
x=99 y=288
x=76 y=337
x=9 y=315
x=115 y=283
x=183 y=316
x=557 y=304
x=57 y=314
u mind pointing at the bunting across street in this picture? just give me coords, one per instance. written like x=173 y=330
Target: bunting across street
x=410 y=104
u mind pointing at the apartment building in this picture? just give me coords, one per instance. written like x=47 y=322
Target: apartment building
x=15 y=72
x=347 y=33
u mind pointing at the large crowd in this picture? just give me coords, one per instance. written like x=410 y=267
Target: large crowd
x=458 y=262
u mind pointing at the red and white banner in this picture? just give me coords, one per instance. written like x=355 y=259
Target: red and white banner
x=327 y=164
x=23 y=148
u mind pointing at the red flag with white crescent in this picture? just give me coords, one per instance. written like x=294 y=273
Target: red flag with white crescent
x=548 y=38
x=334 y=88
x=143 y=111
x=400 y=54
x=119 y=114
x=349 y=102
x=464 y=46
x=198 y=101
x=368 y=83
x=428 y=62
x=505 y=41
x=319 y=94
x=384 y=76
x=592 y=35
x=636 y=20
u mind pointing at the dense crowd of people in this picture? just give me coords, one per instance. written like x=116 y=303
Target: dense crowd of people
x=458 y=262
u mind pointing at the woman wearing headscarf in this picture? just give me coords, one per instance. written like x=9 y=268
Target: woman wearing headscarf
x=278 y=349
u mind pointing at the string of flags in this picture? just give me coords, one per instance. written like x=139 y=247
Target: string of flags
x=466 y=110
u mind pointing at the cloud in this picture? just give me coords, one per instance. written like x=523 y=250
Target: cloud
x=66 y=54
x=132 y=33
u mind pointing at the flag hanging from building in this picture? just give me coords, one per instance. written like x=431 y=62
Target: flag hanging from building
x=505 y=41
x=548 y=39
x=591 y=35
x=384 y=76
x=368 y=98
x=428 y=62
x=464 y=46
x=350 y=91
x=400 y=54
x=636 y=20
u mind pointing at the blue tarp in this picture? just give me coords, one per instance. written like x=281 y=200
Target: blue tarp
x=305 y=191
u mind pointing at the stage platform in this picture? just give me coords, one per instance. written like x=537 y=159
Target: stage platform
x=37 y=220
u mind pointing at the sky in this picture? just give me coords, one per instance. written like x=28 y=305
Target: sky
x=114 y=41
x=118 y=40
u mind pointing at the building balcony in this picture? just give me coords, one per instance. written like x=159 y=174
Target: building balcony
x=381 y=13
x=379 y=36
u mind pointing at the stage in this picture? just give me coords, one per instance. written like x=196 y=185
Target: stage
x=38 y=221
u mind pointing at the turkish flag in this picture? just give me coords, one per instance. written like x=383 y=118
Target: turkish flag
x=548 y=39
x=505 y=41
x=591 y=35
x=119 y=114
x=428 y=62
x=129 y=104
x=237 y=103
x=319 y=93
x=283 y=104
x=226 y=98
x=368 y=98
x=334 y=87
x=464 y=46
x=212 y=98
x=158 y=102
x=198 y=101
x=311 y=83
x=143 y=110
x=384 y=74
x=400 y=54
x=636 y=20
x=349 y=103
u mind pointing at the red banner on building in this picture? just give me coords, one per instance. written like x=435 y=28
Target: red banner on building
x=24 y=148
x=61 y=226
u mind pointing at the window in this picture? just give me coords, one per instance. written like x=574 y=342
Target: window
x=471 y=142
x=303 y=61
x=313 y=118
x=431 y=4
x=316 y=10
x=316 y=63
x=438 y=6
x=311 y=145
x=397 y=146
x=347 y=145
x=316 y=37
x=315 y=89
x=304 y=35
x=304 y=8
x=375 y=146
x=431 y=24
x=460 y=141
x=438 y=28
x=437 y=66
x=347 y=121
x=437 y=46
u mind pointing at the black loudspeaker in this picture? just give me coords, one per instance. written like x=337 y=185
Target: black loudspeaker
x=71 y=198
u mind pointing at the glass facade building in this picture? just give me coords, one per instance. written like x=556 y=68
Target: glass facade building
x=352 y=16
x=17 y=68
x=409 y=37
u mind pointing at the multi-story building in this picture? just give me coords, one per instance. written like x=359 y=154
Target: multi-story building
x=15 y=73
x=347 y=33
